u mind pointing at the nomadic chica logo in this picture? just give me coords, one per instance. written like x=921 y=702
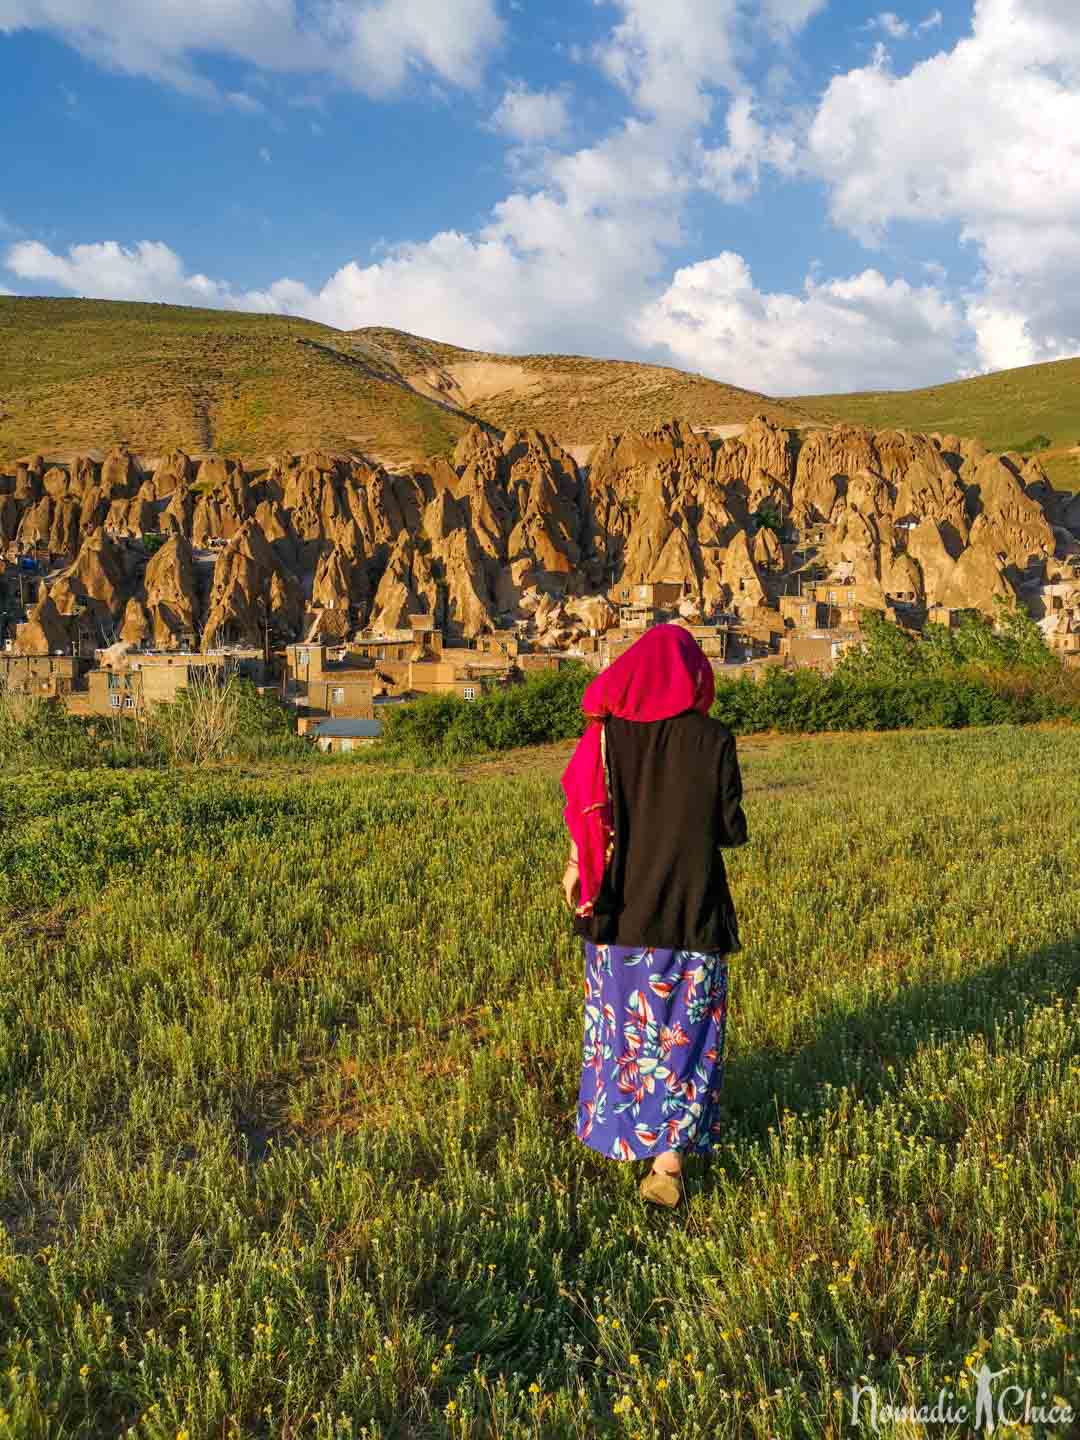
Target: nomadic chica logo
x=996 y=1405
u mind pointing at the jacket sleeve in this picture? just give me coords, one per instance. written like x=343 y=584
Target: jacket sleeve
x=731 y=822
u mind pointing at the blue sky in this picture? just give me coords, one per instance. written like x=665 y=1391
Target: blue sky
x=791 y=195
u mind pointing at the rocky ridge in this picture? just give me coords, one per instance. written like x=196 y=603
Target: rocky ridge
x=510 y=530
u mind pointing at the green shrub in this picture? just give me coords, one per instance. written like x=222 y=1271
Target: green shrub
x=899 y=689
x=229 y=721
x=34 y=731
x=206 y=722
x=1011 y=641
x=1036 y=442
x=542 y=708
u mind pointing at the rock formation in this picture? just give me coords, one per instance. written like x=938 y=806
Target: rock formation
x=46 y=631
x=977 y=580
x=507 y=529
x=251 y=592
x=172 y=594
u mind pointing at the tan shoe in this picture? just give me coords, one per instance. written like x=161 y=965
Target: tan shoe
x=661 y=1187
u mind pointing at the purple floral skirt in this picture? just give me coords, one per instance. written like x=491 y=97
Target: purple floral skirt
x=653 y=1058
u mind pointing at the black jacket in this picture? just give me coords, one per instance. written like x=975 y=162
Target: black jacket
x=676 y=797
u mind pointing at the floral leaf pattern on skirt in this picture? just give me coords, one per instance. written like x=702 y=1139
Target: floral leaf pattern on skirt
x=653 y=1053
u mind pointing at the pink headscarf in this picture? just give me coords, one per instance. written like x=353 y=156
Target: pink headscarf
x=663 y=674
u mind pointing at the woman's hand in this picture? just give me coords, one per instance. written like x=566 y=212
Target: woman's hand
x=571 y=884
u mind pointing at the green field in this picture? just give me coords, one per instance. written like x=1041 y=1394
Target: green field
x=289 y=1064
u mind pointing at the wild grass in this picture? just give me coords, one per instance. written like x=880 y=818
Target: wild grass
x=288 y=1069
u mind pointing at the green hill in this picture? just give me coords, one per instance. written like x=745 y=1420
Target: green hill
x=81 y=374
x=78 y=375
x=576 y=398
x=1034 y=408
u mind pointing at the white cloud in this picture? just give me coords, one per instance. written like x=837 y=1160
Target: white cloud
x=899 y=29
x=984 y=138
x=791 y=15
x=667 y=56
x=733 y=170
x=563 y=265
x=264 y=155
x=241 y=100
x=891 y=23
x=370 y=45
x=147 y=271
x=863 y=332
x=532 y=116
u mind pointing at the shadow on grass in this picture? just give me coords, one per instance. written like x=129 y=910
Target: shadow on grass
x=855 y=1048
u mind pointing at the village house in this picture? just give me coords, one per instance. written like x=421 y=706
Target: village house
x=500 y=642
x=332 y=682
x=1065 y=643
x=348 y=693
x=802 y=612
x=942 y=615
x=750 y=669
x=20 y=578
x=818 y=649
x=645 y=604
x=711 y=638
x=729 y=637
x=611 y=645
x=132 y=681
x=465 y=673
x=1058 y=595
x=836 y=593
x=47 y=676
x=340 y=736
x=398 y=645
x=538 y=660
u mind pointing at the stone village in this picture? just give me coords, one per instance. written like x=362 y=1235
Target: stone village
x=344 y=587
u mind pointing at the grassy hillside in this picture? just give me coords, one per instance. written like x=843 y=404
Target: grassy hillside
x=81 y=374
x=573 y=397
x=1062 y=468
x=1007 y=410
x=77 y=375
x=289 y=1067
